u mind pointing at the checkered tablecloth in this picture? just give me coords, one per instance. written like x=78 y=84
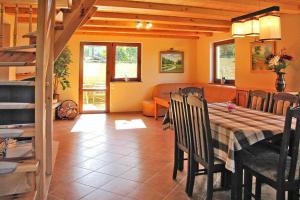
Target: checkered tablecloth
x=233 y=131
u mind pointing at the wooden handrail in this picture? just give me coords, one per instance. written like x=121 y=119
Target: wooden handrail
x=1 y=25
x=16 y=25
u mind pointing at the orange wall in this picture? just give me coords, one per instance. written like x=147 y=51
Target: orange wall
x=129 y=96
x=244 y=77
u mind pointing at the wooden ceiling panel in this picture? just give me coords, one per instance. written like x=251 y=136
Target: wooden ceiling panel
x=165 y=9
x=287 y=6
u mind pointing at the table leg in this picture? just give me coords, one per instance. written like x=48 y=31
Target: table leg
x=237 y=178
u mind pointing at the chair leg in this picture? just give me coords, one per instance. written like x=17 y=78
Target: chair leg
x=280 y=194
x=175 y=168
x=210 y=185
x=194 y=169
x=225 y=179
x=188 y=173
x=180 y=160
x=248 y=185
x=258 y=189
x=293 y=195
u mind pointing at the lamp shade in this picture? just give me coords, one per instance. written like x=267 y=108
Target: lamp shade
x=251 y=27
x=270 y=27
x=237 y=29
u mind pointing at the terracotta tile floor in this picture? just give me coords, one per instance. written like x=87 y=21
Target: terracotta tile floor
x=117 y=156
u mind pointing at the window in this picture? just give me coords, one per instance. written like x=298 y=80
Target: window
x=126 y=62
x=224 y=61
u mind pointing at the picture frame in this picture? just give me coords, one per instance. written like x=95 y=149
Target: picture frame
x=171 y=61
x=258 y=53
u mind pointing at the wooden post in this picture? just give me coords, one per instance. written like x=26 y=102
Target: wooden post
x=1 y=25
x=49 y=102
x=16 y=25
x=30 y=18
x=45 y=28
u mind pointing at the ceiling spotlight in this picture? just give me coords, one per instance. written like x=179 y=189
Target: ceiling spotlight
x=149 y=25
x=139 y=24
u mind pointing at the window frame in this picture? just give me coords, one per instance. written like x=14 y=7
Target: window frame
x=113 y=60
x=215 y=45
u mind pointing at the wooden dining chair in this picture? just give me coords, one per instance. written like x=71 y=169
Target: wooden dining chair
x=279 y=170
x=196 y=91
x=201 y=141
x=279 y=102
x=179 y=117
x=258 y=100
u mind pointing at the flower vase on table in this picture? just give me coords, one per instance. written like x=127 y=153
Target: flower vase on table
x=278 y=63
x=280 y=82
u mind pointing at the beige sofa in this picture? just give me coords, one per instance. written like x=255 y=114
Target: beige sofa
x=161 y=95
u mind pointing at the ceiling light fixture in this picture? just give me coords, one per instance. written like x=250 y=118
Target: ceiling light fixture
x=139 y=24
x=149 y=25
x=263 y=23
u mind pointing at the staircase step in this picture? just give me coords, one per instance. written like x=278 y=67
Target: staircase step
x=16 y=106
x=16 y=64
x=66 y=10
x=20 y=150
x=7 y=167
x=17 y=83
x=22 y=126
x=23 y=132
x=27 y=48
x=11 y=133
x=27 y=166
x=30 y=35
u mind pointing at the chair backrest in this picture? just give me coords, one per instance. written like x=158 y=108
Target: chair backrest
x=290 y=146
x=179 y=117
x=196 y=91
x=258 y=100
x=280 y=102
x=200 y=132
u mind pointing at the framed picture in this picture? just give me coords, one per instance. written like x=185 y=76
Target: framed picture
x=259 y=52
x=171 y=61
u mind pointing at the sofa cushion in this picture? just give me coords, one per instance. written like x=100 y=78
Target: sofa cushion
x=219 y=93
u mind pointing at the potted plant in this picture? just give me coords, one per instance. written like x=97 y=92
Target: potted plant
x=61 y=72
x=278 y=63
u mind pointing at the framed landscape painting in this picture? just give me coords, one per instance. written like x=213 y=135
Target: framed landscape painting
x=171 y=61
x=259 y=52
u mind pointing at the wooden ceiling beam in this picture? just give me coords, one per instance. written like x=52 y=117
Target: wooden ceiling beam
x=287 y=6
x=136 y=35
x=143 y=31
x=108 y=23
x=149 y=6
x=161 y=18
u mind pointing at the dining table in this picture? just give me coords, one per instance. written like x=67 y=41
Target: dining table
x=234 y=130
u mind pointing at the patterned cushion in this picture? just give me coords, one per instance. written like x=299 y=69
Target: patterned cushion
x=263 y=160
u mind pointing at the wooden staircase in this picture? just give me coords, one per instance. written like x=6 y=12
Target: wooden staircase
x=25 y=129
